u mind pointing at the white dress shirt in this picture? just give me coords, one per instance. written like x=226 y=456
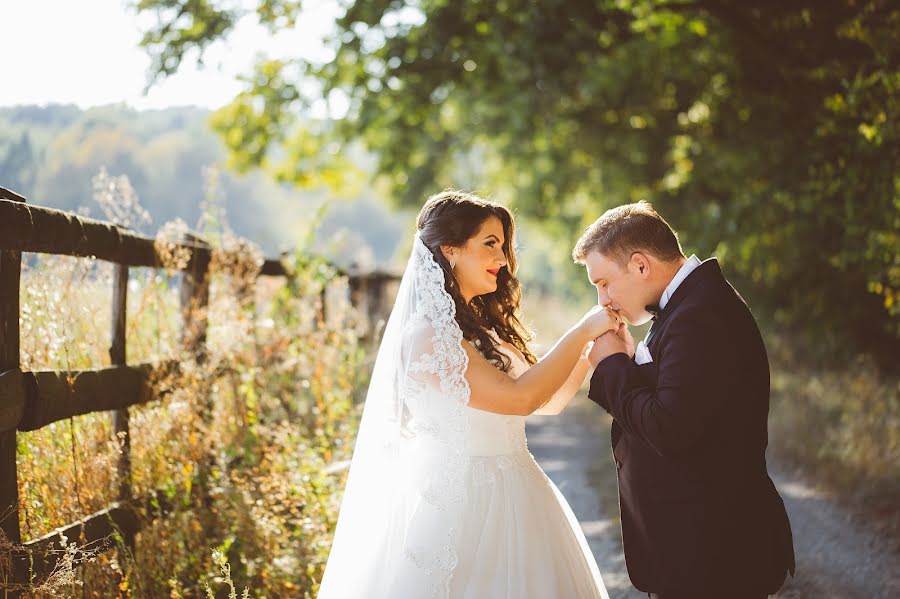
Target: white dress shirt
x=641 y=353
x=686 y=269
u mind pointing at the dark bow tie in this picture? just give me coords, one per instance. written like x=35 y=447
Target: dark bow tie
x=654 y=310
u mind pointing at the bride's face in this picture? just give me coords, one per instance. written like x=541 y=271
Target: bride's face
x=479 y=261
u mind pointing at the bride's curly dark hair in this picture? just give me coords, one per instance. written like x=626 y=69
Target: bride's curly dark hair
x=452 y=218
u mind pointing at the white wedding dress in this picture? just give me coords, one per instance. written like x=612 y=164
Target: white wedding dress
x=525 y=541
x=443 y=500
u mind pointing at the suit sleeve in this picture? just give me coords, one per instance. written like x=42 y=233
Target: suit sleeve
x=671 y=416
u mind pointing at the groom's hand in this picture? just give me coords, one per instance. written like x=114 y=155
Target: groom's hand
x=609 y=343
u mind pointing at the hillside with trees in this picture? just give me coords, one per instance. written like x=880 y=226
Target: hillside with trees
x=50 y=154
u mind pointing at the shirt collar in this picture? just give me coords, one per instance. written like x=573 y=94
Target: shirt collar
x=686 y=269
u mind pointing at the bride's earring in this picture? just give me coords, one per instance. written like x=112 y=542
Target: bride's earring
x=452 y=266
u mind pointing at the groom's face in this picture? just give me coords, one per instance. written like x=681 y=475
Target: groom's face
x=620 y=288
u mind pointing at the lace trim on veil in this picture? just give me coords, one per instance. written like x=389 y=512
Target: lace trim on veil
x=444 y=489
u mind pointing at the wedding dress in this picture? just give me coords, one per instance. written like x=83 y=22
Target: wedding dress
x=443 y=500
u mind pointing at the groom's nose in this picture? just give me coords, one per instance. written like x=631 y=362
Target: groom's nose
x=603 y=299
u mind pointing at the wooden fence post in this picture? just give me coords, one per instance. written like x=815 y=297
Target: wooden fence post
x=10 y=273
x=375 y=299
x=194 y=307
x=358 y=291
x=368 y=294
x=323 y=305
x=195 y=300
x=117 y=355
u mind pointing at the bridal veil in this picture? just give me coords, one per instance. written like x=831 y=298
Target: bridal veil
x=397 y=534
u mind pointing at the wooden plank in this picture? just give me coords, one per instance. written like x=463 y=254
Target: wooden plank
x=11 y=409
x=38 y=229
x=125 y=518
x=94 y=533
x=53 y=395
x=58 y=394
x=29 y=228
x=8 y=194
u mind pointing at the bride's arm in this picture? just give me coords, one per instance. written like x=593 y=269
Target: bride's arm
x=567 y=392
x=573 y=385
x=493 y=390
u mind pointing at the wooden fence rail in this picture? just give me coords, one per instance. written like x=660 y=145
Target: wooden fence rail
x=32 y=400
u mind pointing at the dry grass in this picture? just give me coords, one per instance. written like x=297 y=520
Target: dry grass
x=842 y=428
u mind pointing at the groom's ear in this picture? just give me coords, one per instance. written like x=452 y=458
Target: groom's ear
x=641 y=264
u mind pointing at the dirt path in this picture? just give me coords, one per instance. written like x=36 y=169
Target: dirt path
x=573 y=449
x=836 y=557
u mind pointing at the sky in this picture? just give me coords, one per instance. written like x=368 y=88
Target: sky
x=86 y=52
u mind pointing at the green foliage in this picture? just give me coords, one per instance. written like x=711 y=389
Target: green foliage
x=766 y=132
x=17 y=169
x=259 y=114
x=184 y=25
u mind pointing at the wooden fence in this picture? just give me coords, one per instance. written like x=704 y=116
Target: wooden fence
x=32 y=400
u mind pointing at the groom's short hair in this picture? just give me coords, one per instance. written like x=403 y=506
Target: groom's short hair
x=627 y=229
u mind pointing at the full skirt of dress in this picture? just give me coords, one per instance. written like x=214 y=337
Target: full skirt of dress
x=519 y=537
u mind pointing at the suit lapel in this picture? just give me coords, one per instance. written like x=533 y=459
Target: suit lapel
x=652 y=332
x=705 y=273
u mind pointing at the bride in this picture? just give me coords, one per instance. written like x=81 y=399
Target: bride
x=443 y=498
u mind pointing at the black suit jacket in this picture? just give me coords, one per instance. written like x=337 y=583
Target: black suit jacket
x=698 y=509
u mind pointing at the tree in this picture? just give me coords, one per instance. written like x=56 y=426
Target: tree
x=767 y=132
x=17 y=169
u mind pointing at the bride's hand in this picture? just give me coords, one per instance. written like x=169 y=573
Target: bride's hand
x=625 y=335
x=598 y=320
x=587 y=349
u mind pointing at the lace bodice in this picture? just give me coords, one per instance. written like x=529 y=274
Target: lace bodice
x=486 y=433
x=498 y=434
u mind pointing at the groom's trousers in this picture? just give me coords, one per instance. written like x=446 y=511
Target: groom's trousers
x=736 y=594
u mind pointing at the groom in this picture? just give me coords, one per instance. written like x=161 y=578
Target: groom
x=700 y=516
